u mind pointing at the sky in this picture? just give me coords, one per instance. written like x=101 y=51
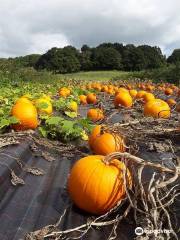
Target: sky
x=34 y=26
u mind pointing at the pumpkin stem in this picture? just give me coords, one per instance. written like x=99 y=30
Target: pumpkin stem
x=140 y=161
x=114 y=155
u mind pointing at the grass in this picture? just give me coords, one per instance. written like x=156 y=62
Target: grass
x=95 y=75
x=45 y=77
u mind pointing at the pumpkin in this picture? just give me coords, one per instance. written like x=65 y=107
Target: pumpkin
x=83 y=99
x=23 y=100
x=96 y=184
x=178 y=107
x=171 y=102
x=91 y=98
x=111 y=91
x=140 y=94
x=157 y=108
x=133 y=93
x=64 y=92
x=121 y=90
x=150 y=88
x=124 y=99
x=95 y=114
x=168 y=91
x=103 y=142
x=104 y=88
x=26 y=113
x=129 y=87
x=72 y=106
x=148 y=97
x=47 y=108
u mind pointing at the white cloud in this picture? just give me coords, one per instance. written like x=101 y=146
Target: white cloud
x=35 y=26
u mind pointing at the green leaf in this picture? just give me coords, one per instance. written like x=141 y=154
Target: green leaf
x=13 y=120
x=43 y=131
x=54 y=120
x=42 y=105
x=71 y=114
x=4 y=123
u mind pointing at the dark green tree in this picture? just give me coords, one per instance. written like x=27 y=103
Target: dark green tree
x=174 y=57
x=60 y=60
x=153 y=57
x=106 y=58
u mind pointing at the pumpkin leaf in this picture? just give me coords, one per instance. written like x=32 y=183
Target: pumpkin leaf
x=42 y=105
x=43 y=131
x=71 y=114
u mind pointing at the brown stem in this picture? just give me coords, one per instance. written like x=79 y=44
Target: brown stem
x=161 y=168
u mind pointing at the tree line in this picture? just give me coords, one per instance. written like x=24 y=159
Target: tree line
x=106 y=56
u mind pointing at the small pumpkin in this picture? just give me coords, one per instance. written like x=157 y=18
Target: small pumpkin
x=123 y=99
x=91 y=98
x=103 y=142
x=104 y=88
x=95 y=114
x=168 y=91
x=48 y=109
x=133 y=93
x=148 y=97
x=83 y=99
x=140 y=94
x=96 y=183
x=64 y=92
x=178 y=107
x=171 y=102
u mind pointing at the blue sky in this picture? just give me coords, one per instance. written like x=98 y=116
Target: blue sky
x=34 y=26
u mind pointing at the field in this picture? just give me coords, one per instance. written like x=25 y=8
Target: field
x=126 y=133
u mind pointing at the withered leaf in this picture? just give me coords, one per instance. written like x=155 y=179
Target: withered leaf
x=34 y=170
x=39 y=234
x=47 y=157
x=15 y=180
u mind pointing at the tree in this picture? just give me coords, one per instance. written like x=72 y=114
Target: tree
x=175 y=56
x=60 y=60
x=153 y=57
x=86 y=60
x=85 y=48
x=106 y=58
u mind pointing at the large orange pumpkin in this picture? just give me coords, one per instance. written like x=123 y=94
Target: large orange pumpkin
x=103 y=142
x=91 y=98
x=26 y=113
x=95 y=114
x=157 y=108
x=96 y=186
x=124 y=99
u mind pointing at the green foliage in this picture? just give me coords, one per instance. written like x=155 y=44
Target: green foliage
x=174 y=57
x=106 y=58
x=59 y=60
x=170 y=74
x=6 y=122
x=57 y=127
